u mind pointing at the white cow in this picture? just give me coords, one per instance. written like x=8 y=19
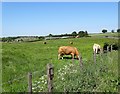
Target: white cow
x=96 y=48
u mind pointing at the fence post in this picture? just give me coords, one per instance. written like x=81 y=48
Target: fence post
x=94 y=56
x=80 y=60
x=111 y=48
x=107 y=49
x=29 y=82
x=50 y=75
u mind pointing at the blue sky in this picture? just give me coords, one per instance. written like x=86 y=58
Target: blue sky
x=43 y=18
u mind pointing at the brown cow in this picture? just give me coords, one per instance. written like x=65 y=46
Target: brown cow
x=68 y=50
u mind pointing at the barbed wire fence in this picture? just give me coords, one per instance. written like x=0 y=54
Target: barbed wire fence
x=19 y=79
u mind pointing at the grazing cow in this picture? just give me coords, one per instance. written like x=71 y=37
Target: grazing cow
x=105 y=47
x=97 y=48
x=68 y=50
x=44 y=42
x=113 y=45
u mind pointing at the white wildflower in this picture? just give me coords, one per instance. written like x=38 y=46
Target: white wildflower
x=38 y=82
x=45 y=82
x=45 y=76
x=58 y=70
x=62 y=74
x=62 y=78
x=71 y=65
x=39 y=87
x=42 y=77
x=65 y=73
x=42 y=81
x=33 y=88
x=74 y=71
x=65 y=66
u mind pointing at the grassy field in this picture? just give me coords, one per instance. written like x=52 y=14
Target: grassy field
x=20 y=58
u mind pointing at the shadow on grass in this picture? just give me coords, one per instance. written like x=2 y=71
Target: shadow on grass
x=69 y=58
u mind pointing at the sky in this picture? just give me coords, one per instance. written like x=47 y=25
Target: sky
x=60 y=0
x=44 y=18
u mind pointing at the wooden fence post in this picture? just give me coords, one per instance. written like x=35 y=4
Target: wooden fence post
x=30 y=83
x=107 y=49
x=94 y=56
x=111 y=48
x=50 y=75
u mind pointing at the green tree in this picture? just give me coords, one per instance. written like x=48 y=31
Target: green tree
x=112 y=31
x=104 y=30
x=86 y=33
x=4 y=39
x=81 y=33
x=118 y=30
x=50 y=35
x=74 y=33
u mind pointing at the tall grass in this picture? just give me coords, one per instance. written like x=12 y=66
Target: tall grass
x=99 y=77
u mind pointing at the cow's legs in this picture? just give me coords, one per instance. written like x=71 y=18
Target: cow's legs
x=72 y=55
x=96 y=50
x=78 y=57
x=59 y=56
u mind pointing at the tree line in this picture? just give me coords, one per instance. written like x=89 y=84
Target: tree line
x=73 y=34
x=105 y=31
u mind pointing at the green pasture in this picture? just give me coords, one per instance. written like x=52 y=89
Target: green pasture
x=109 y=34
x=20 y=58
